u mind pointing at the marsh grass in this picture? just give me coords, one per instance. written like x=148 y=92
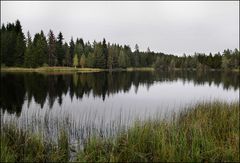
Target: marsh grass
x=21 y=146
x=206 y=132
x=203 y=132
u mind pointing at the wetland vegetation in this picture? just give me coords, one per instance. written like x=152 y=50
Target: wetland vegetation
x=204 y=132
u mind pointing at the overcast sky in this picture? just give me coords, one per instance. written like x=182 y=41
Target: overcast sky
x=169 y=27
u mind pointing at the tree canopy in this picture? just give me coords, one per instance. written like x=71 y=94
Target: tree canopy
x=18 y=50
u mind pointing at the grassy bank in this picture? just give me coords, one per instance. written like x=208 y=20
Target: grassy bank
x=204 y=132
x=86 y=70
x=50 y=69
x=69 y=69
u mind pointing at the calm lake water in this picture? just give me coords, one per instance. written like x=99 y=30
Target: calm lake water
x=101 y=101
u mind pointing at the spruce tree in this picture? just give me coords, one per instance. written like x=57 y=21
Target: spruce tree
x=105 y=53
x=67 y=59
x=60 y=50
x=20 y=45
x=71 y=51
x=39 y=49
x=52 y=59
x=28 y=56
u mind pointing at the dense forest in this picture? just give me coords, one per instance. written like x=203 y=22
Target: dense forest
x=22 y=51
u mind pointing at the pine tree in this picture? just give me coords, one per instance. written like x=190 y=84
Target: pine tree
x=3 y=44
x=71 y=51
x=136 y=56
x=8 y=44
x=28 y=56
x=52 y=59
x=80 y=41
x=39 y=49
x=20 y=45
x=128 y=52
x=105 y=53
x=67 y=59
x=60 y=50
x=44 y=47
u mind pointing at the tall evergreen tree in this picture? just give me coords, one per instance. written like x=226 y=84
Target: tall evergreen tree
x=105 y=53
x=39 y=49
x=28 y=57
x=3 y=44
x=8 y=44
x=81 y=42
x=136 y=56
x=44 y=47
x=20 y=45
x=60 y=50
x=71 y=50
x=52 y=59
x=67 y=59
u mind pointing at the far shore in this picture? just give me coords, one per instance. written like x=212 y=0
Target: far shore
x=87 y=70
x=70 y=69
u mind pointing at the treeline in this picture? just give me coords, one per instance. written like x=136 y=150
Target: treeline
x=18 y=50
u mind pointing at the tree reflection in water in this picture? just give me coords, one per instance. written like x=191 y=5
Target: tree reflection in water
x=18 y=87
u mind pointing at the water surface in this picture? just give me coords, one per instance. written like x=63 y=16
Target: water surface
x=105 y=100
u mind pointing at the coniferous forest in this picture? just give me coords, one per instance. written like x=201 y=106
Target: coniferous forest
x=18 y=50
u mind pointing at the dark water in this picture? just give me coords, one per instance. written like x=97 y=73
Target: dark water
x=106 y=98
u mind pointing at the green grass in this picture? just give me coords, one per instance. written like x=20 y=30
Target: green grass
x=20 y=146
x=204 y=132
x=50 y=69
x=63 y=69
x=140 y=69
x=70 y=69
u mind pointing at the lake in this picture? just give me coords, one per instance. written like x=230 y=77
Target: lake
x=106 y=102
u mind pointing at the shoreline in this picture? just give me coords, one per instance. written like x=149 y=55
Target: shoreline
x=89 y=70
x=71 y=69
